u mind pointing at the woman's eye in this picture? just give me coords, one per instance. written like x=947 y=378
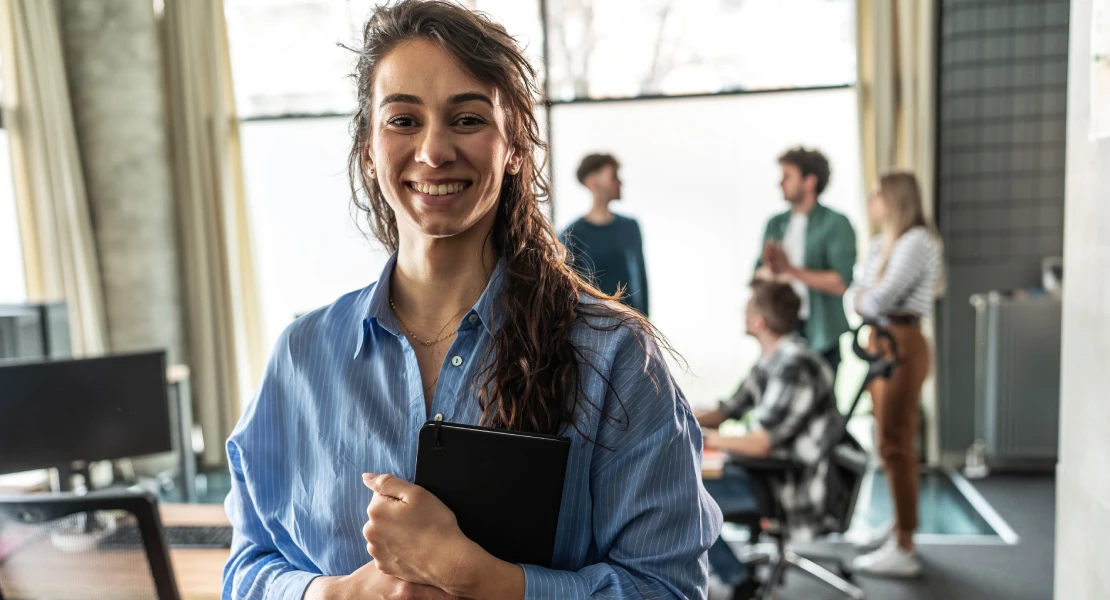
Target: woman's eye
x=402 y=122
x=470 y=121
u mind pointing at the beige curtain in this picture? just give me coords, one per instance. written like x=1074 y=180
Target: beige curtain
x=897 y=49
x=223 y=324
x=55 y=228
x=896 y=45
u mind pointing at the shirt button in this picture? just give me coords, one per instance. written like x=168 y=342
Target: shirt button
x=456 y=361
x=473 y=319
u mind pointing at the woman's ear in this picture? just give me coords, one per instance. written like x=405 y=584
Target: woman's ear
x=515 y=161
x=370 y=165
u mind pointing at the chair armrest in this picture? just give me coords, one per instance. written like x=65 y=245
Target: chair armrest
x=766 y=464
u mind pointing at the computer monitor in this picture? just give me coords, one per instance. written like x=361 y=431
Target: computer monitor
x=55 y=413
x=34 y=331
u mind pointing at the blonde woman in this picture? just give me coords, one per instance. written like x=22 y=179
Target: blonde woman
x=897 y=290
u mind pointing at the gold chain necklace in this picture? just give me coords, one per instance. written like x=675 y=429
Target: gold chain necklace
x=413 y=335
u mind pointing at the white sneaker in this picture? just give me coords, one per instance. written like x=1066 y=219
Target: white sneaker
x=873 y=540
x=888 y=561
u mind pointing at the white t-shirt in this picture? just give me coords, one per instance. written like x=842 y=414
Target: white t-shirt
x=794 y=243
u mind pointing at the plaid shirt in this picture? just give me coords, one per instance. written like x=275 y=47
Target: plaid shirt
x=790 y=395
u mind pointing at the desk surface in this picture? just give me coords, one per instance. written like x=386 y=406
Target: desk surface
x=712 y=463
x=198 y=572
x=39 y=562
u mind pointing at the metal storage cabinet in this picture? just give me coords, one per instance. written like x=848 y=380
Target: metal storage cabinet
x=1017 y=378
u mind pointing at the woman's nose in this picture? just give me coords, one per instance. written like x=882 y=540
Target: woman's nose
x=437 y=146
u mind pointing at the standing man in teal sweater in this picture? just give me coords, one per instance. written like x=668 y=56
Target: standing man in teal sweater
x=814 y=249
x=606 y=247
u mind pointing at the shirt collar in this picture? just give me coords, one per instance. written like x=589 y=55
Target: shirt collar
x=377 y=310
x=784 y=345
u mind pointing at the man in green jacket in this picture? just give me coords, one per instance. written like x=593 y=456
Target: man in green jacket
x=813 y=248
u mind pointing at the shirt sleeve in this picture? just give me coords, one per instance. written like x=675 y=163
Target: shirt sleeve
x=842 y=249
x=909 y=260
x=576 y=258
x=654 y=522
x=742 y=400
x=787 y=402
x=766 y=236
x=566 y=239
x=641 y=265
x=257 y=568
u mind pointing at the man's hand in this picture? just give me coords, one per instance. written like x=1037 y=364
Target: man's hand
x=826 y=282
x=711 y=418
x=712 y=438
x=756 y=444
x=768 y=250
x=777 y=260
x=370 y=583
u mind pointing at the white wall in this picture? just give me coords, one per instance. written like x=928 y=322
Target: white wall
x=1083 y=475
x=701 y=176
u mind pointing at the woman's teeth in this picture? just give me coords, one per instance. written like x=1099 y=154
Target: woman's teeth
x=438 y=189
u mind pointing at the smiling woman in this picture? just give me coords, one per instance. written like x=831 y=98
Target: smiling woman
x=475 y=319
x=442 y=160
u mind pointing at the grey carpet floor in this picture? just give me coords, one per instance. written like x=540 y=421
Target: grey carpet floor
x=1019 y=572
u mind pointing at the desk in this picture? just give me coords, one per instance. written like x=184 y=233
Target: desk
x=712 y=463
x=40 y=567
x=198 y=572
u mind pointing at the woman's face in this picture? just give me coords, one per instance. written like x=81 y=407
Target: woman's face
x=876 y=208
x=439 y=148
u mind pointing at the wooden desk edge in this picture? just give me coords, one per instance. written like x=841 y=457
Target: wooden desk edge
x=199 y=573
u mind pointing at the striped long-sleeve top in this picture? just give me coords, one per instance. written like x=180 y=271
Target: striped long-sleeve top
x=907 y=284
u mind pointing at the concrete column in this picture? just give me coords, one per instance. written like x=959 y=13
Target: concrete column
x=113 y=54
x=1083 y=474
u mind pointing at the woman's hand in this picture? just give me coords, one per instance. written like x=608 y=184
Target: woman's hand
x=412 y=535
x=415 y=537
x=370 y=583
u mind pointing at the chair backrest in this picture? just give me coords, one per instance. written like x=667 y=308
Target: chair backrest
x=848 y=461
x=848 y=465
x=880 y=364
x=72 y=547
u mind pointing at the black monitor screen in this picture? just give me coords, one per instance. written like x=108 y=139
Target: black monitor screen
x=53 y=413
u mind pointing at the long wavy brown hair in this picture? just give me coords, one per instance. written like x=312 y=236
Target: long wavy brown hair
x=901 y=194
x=531 y=379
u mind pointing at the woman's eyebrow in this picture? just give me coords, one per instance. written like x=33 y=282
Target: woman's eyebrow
x=470 y=96
x=403 y=98
x=456 y=99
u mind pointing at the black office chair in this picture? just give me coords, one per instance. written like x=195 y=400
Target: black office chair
x=848 y=466
x=52 y=546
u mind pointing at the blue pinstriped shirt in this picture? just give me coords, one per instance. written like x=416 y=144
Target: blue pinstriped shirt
x=342 y=395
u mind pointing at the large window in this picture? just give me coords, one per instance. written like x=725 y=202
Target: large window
x=701 y=173
x=12 y=284
x=290 y=57
x=630 y=48
x=309 y=247
x=701 y=177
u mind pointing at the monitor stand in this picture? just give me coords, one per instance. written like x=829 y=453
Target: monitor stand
x=61 y=477
x=80 y=534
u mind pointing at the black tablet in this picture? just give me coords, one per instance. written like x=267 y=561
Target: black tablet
x=505 y=487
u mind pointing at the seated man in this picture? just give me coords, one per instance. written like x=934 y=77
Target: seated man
x=790 y=395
